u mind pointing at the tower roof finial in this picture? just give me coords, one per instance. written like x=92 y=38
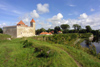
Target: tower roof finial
x=21 y=22
x=32 y=21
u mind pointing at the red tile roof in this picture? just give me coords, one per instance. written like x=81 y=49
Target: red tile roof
x=26 y=25
x=44 y=33
x=59 y=31
x=52 y=31
x=21 y=22
x=32 y=20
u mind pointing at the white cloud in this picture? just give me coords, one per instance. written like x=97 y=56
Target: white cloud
x=2 y=25
x=84 y=19
x=92 y=9
x=42 y=24
x=42 y=8
x=27 y=17
x=83 y=16
x=34 y=14
x=57 y=17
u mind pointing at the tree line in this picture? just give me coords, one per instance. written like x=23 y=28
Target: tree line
x=65 y=28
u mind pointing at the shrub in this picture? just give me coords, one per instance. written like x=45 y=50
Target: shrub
x=92 y=50
x=44 y=52
x=98 y=55
x=26 y=43
x=1 y=31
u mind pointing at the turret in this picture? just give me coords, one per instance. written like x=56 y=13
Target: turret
x=32 y=24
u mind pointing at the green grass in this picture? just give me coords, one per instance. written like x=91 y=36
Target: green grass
x=4 y=36
x=13 y=54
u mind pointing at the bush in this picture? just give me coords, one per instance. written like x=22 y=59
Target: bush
x=27 y=44
x=98 y=55
x=1 y=31
x=92 y=50
x=44 y=52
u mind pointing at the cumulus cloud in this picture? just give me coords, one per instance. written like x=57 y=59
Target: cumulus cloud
x=27 y=17
x=55 y=20
x=42 y=8
x=42 y=24
x=57 y=17
x=34 y=14
x=83 y=20
x=83 y=16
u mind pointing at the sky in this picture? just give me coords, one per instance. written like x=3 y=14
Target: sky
x=50 y=13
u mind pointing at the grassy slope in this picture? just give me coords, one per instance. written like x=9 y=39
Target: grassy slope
x=83 y=58
x=4 y=36
x=12 y=54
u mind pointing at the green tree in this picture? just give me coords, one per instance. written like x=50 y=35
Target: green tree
x=49 y=30
x=76 y=27
x=56 y=29
x=42 y=30
x=1 y=31
x=88 y=28
x=38 y=31
x=65 y=26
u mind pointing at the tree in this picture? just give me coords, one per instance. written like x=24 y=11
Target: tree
x=49 y=30
x=88 y=28
x=37 y=31
x=1 y=31
x=56 y=29
x=82 y=31
x=76 y=27
x=42 y=30
x=65 y=26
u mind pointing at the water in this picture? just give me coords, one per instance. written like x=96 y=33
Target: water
x=96 y=42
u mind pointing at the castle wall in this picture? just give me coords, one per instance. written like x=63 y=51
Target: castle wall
x=10 y=30
x=25 y=31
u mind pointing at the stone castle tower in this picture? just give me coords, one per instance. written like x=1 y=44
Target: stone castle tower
x=20 y=30
x=32 y=24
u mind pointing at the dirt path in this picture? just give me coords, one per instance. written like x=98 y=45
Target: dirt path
x=78 y=64
x=76 y=41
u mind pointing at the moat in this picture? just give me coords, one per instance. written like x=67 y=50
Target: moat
x=96 y=42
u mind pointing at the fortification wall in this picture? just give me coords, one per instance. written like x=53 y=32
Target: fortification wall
x=25 y=31
x=10 y=30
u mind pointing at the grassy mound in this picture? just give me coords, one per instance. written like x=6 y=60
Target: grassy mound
x=4 y=36
x=13 y=54
x=28 y=52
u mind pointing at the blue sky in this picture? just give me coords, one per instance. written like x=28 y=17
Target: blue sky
x=50 y=13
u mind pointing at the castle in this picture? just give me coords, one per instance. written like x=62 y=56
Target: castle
x=20 y=30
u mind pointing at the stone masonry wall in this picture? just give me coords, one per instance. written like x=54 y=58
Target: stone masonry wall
x=25 y=31
x=11 y=30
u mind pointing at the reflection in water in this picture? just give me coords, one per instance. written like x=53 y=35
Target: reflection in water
x=95 y=42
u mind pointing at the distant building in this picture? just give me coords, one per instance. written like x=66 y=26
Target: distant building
x=59 y=32
x=45 y=33
x=20 y=30
x=52 y=32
